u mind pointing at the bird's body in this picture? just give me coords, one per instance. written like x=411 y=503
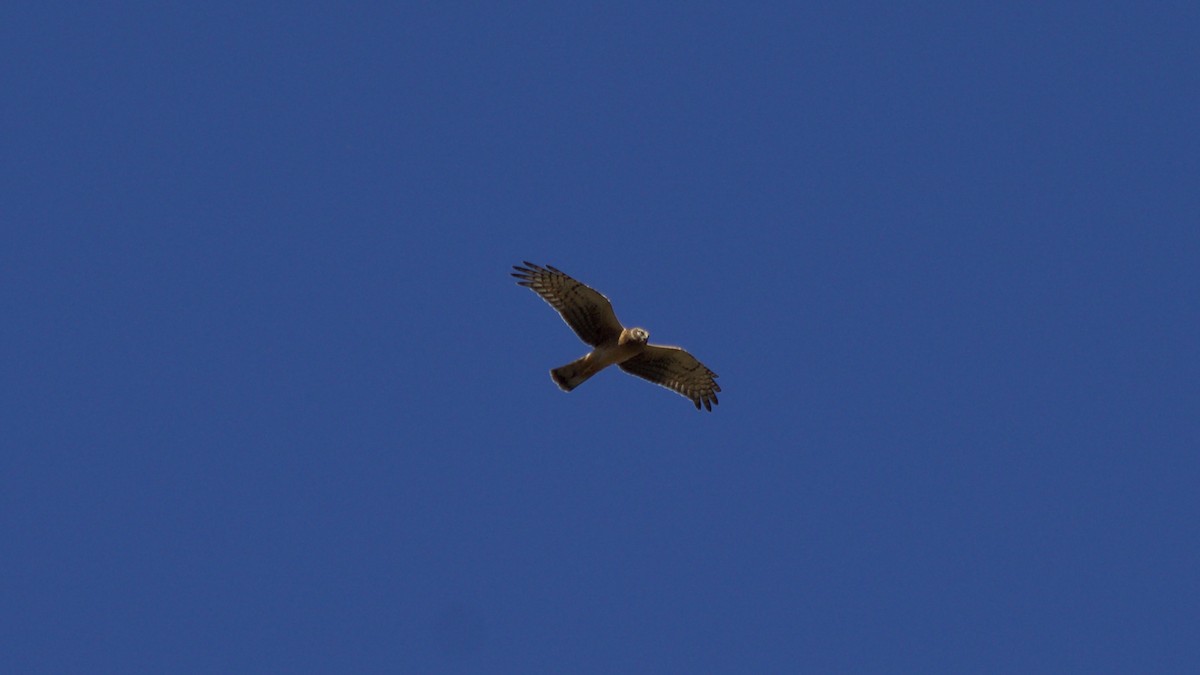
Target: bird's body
x=630 y=343
x=591 y=316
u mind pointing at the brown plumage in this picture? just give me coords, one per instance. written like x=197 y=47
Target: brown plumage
x=591 y=316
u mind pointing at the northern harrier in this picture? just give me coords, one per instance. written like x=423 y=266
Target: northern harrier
x=591 y=316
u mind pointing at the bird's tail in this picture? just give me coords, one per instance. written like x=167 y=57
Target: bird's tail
x=573 y=374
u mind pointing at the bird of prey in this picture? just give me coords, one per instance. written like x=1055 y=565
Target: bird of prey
x=591 y=316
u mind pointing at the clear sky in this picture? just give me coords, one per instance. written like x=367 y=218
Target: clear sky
x=272 y=403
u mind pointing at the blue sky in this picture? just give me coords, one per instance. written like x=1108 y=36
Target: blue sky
x=272 y=403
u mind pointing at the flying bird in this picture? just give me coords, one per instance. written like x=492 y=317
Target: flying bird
x=591 y=316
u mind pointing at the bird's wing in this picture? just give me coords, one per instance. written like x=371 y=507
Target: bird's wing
x=677 y=370
x=585 y=310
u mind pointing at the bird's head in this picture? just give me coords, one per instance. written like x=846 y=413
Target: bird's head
x=638 y=335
